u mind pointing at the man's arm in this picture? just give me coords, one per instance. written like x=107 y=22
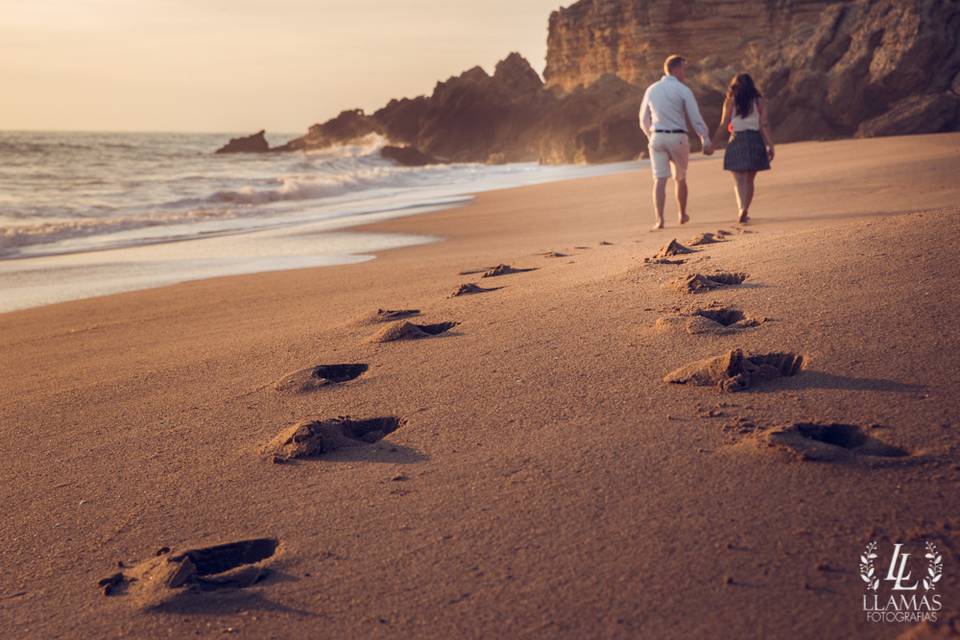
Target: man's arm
x=646 y=118
x=693 y=112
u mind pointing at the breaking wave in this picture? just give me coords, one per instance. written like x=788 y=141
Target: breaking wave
x=69 y=189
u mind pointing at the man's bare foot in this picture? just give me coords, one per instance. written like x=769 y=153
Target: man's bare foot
x=684 y=218
x=657 y=226
x=743 y=218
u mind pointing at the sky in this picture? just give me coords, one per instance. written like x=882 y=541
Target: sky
x=243 y=65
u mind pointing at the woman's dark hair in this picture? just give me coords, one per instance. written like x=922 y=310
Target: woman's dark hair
x=744 y=93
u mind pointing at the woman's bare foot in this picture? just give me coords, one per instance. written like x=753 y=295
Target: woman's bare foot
x=743 y=218
x=684 y=218
x=657 y=226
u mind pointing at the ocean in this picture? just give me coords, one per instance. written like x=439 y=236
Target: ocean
x=86 y=214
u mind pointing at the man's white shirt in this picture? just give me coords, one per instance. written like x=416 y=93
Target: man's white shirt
x=663 y=107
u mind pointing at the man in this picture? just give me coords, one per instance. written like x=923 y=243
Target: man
x=662 y=112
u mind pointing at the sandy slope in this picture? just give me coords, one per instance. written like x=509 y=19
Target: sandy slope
x=546 y=481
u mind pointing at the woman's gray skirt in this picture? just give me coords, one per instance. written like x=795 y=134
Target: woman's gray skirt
x=746 y=152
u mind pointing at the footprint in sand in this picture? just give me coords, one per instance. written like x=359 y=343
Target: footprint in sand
x=557 y=254
x=663 y=261
x=312 y=438
x=471 y=288
x=234 y=565
x=727 y=317
x=697 y=282
x=718 y=320
x=409 y=331
x=604 y=243
x=388 y=315
x=499 y=270
x=705 y=238
x=320 y=376
x=672 y=248
x=831 y=442
x=504 y=270
x=735 y=371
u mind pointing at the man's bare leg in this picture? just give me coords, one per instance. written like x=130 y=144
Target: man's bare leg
x=682 y=200
x=659 y=200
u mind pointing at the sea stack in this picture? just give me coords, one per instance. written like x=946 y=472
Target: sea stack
x=255 y=143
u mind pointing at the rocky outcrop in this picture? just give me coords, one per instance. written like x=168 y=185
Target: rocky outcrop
x=401 y=119
x=349 y=127
x=828 y=68
x=407 y=156
x=592 y=124
x=255 y=143
x=916 y=114
x=508 y=116
x=476 y=117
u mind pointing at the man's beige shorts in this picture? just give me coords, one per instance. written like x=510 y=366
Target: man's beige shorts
x=670 y=150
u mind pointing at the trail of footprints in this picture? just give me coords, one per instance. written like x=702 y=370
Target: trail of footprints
x=167 y=576
x=737 y=371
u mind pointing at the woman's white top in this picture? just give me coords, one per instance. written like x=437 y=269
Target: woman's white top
x=750 y=123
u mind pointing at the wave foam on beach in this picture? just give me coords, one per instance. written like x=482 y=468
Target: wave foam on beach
x=74 y=192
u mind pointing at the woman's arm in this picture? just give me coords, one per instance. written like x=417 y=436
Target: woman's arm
x=765 y=127
x=724 y=122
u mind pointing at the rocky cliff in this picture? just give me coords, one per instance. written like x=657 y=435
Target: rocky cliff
x=829 y=68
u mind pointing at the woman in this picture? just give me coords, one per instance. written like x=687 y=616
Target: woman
x=751 y=148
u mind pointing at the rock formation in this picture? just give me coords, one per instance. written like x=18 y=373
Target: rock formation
x=255 y=143
x=505 y=117
x=348 y=127
x=407 y=156
x=828 y=68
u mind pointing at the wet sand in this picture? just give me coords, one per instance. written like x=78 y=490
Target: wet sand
x=532 y=473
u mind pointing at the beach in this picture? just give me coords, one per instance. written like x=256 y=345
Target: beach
x=543 y=479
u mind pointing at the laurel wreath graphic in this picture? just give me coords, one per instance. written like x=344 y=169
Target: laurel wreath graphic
x=934 y=567
x=867 y=570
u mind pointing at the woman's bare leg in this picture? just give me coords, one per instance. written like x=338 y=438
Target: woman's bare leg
x=751 y=176
x=740 y=190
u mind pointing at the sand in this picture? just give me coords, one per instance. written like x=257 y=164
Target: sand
x=546 y=482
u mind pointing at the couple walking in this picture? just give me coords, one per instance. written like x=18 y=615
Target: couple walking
x=669 y=103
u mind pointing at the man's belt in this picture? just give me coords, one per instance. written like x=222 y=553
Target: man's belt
x=669 y=131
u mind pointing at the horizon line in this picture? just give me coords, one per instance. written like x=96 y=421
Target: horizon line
x=149 y=131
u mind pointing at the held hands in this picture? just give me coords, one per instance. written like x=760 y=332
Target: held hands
x=708 y=148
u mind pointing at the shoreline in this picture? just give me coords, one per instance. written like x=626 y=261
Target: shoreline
x=103 y=264
x=543 y=478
